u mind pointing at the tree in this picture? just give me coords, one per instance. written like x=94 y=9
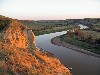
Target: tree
x=89 y=38
x=1 y=25
x=97 y=41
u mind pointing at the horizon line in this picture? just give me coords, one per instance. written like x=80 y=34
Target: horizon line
x=51 y=17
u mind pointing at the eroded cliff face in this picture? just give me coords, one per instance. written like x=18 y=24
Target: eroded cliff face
x=20 y=56
x=19 y=35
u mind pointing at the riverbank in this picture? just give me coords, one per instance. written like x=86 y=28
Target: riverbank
x=57 y=41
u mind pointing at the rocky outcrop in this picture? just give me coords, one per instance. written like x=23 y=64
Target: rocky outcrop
x=19 y=35
x=20 y=56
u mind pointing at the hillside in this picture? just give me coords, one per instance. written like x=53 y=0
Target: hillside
x=41 y=27
x=19 y=54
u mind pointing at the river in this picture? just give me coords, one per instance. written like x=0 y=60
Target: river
x=81 y=64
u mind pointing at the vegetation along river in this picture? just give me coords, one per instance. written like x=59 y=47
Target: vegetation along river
x=81 y=64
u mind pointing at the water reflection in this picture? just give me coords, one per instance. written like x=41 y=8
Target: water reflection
x=82 y=26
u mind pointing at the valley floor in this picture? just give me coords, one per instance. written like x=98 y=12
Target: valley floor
x=57 y=41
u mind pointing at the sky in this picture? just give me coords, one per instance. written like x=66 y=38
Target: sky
x=50 y=9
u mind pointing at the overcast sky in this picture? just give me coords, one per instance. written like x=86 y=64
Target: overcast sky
x=50 y=9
